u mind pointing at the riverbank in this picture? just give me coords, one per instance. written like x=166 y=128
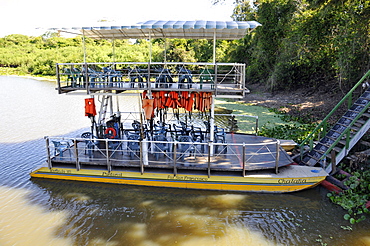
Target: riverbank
x=313 y=105
x=15 y=72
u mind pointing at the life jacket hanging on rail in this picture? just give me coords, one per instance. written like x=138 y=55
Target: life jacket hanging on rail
x=90 y=107
x=148 y=108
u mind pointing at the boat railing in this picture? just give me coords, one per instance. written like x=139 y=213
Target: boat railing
x=240 y=123
x=143 y=153
x=224 y=79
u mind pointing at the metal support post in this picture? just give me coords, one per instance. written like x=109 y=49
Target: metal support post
x=174 y=159
x=48 y=151
x=277 y=157
x=243 y=159
x=210 y=146
x=107 y=152
x=76 y=154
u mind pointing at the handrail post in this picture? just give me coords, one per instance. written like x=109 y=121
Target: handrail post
x=215 y=79
x=348 y=138
x=174 y=159
x=324 y=131
x=141 y=158
x=58 y=78
x=48 y=151
x=256 y=126
x=107 y=152
x=87 y=79
x=350 y=97
x=209 y=159
x=277 y=157
x=333 y=162
x=76 y=153
x=243 y=158
x=301 y=149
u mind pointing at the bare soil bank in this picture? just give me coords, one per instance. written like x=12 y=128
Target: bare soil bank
x=301 y=102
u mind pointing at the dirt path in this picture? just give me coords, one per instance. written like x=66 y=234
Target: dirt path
x=298 y=103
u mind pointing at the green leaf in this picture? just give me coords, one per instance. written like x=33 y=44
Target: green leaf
x=347 y=216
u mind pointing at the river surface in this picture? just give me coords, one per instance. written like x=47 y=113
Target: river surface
x=50 y=212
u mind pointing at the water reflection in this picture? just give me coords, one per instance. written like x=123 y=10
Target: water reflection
x=154 y=216
x=146 y=216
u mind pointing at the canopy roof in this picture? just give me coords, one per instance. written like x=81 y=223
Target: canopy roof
x=172 y=29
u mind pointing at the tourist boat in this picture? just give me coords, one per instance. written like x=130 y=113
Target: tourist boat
x=172 y=136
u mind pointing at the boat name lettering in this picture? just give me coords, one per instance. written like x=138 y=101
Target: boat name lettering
x=56 y=170
x=187 y=178
x=112 y=174
x=292 y=181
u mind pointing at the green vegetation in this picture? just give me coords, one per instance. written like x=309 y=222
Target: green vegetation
x=355 y=198
x=37 y=56
x=293 y=127
x=288 y=131
x=266 y=117
x=306 y=43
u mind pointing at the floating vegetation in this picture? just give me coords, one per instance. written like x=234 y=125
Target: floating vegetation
x=354 y=199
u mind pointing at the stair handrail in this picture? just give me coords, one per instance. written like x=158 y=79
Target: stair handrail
x=346 y=133
x=323 y=123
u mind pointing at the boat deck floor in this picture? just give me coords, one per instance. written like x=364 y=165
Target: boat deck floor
x=260 y=153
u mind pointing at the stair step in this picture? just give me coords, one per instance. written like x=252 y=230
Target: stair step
x=355 y=128
x=334 y=139
x=366 y=114
x=348 y=118
x=356 y=110
x=311 y=162
x=342 y=125
x=326 y=145
x=321 y=147
x=320 y=151
x=361 y=102
x=337 y=149
x=351 y=135
x=340 y=132
x=366 y=95
x=342 y=142
x=362 y=122
x=357 y=124
x=352 y=113
x=315 y=155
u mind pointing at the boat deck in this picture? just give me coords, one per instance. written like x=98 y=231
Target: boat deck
x=224 y=80
x=240 y=152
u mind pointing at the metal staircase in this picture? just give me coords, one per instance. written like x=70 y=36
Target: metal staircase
x=341 y=138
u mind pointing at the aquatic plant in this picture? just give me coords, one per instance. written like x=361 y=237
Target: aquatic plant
x=355 y=198
x=294 y=131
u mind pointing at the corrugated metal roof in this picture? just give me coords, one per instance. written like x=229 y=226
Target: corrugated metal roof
x=199 y=29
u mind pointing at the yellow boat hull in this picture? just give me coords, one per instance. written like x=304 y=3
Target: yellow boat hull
x=289 y=180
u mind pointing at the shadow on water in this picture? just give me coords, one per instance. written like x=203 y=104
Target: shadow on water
x=20 y=158
x=101 y=213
